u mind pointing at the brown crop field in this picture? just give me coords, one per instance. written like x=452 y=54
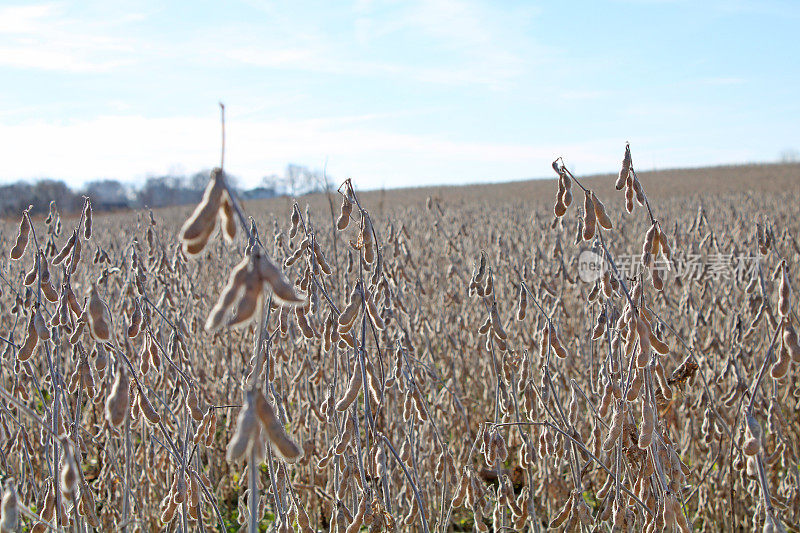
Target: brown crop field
x=434 y=359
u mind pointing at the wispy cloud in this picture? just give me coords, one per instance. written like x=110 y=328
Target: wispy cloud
x=44 y=37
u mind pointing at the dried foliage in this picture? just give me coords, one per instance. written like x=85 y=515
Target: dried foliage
x=437 y=367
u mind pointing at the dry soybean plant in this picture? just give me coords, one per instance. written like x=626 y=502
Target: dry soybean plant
x=439 y=366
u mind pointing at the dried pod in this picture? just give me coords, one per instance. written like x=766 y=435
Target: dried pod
x=201 y=223
x=344 y=216
x=22 y=238
x=627 y=161
x=136 y=322
x=790 y=341
x=147 y=409
x=353 y=388
x=119 y=400
x=87 y=220
x=647 y=427
x=497 y=323
x=69 y=472
x=249 y=301
x=227 y=218
x=600 y=212
x=784 y=293
x=247 y=429
x=589 y=217
x=523 y=303
x=99 y=317
x=281 y=288
x=64 y=252
x=228 y=295
x=31 y=340
x=9 y=508
x=41 y=328
x=288 y=449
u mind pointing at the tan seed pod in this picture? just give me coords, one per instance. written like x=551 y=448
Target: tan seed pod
x=663 y=242
x=169 y=511
x=555 y=342
x=49 y=292
x=790 y=341
x=302 y=322
x=249 y=301
x=563 y=514
x=627 y=161
x=615 y=430
x=227 y=218
x=72 y=300
x=75 y=255
x=49 y=507
x=87 y=220
x=372 y=310
x=752 y=444
x=200 y=224
x=566 y=196
x=319 y=258
x=659 y=346
x=461 y=490
x=119 y=400
x=658 y=371
x=247 y=428
x=643 y=331
x=478 y=276
x=589 y=217
x=69 y=472
x=637 y=187
x=668 y=513
x=784 y=293
x=600 y=212
x=559 y=209
x=281 y=288
x=647 y=427
x=287 y=448
x=348 y=316
x=101 y=358
x=41 y=328
x=629 y=199
x=523 y=303
x=344 y=215
x=9 y=509
x=147 y=409
x=228 y=295
x=44 y=270
x=497 y=323
x=30 y=276
x=295 y=218
x=30 y=342
x=606 y=399
x=353 y=388
x=99 y=318
x=136 y=322
x=635 y=386
x=64 y=252
x=86 y=378
x=192 y=403
x=22 y=238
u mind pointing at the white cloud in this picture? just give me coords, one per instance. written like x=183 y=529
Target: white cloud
x=44 y=37
x=132 y=147
x=25 y=19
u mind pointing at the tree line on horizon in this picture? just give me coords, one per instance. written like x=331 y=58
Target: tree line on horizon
x=156 y=191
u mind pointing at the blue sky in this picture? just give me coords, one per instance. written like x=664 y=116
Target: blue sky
x=394 y=93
